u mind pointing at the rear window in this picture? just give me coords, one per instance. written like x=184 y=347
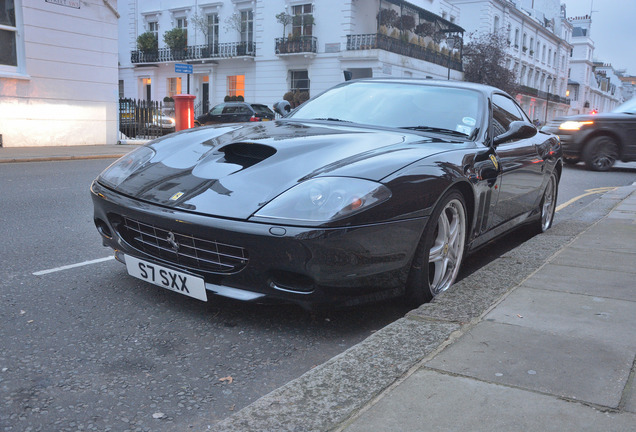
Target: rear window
x=262 y=110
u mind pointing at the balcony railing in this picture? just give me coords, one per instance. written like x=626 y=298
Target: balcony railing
x=296 y=45
x=195 y=52
x=387 y=43
x=531 y=91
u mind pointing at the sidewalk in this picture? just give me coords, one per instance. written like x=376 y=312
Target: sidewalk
x=54 y=153
x=541 y=339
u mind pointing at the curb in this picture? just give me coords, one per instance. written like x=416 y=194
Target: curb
x=330 y=396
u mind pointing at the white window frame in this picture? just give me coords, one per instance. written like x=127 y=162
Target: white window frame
x=18 y=71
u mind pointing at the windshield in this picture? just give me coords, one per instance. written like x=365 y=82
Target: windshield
x=628 y=107
x=401 y=105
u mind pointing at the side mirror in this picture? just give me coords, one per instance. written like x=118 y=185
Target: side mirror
x=518 y=130
x=282 y=107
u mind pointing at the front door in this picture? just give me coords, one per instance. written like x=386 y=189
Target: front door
x=205 y=96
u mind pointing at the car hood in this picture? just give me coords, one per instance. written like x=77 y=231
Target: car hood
x=233 y=170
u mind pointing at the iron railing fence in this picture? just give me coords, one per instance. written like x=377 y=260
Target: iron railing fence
x=195 y=52
x=297 y=44
x=397 y=46
x=144 y=119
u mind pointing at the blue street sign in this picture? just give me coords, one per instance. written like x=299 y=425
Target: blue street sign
x=183 y=68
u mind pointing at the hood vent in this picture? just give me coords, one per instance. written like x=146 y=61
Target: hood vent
x=246 y=154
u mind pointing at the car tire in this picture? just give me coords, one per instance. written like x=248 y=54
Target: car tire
x=440 y=251
x=547 y=207
x=600 y=153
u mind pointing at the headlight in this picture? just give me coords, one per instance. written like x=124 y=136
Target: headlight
x=122 y=168
x=324 y=200
x=574 y=125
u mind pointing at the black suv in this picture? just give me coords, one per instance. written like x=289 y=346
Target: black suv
x=599 y=140
x=235 y=112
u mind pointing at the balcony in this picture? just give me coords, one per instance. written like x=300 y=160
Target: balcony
x=195 y=52
x=397 y=46
x=296 y=45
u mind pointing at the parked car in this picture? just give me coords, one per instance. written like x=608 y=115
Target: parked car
x=373 y=189
x=599 y=140
x=161 y=124
x=235 y=112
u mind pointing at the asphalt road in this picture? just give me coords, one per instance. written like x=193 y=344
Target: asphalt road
x=90 y=348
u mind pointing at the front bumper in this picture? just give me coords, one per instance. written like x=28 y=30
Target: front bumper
x=307 y=266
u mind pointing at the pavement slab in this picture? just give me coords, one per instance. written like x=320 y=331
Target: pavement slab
x=581 y=369
x=433 y=401
x=588 y=281
x=572 y=315
x=578 y=255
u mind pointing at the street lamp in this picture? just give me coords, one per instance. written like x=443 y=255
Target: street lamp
x=548 y=81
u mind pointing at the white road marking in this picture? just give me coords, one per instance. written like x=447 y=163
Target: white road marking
x=70 y=266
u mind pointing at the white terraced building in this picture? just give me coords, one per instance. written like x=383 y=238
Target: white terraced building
x=539 y=38
x=242 y=47
x=58 y=72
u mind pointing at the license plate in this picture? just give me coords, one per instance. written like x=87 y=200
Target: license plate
x=173 y=280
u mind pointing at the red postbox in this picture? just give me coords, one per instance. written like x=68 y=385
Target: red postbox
x=183 y=111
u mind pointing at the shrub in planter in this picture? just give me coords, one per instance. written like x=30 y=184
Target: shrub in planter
x=147 y=42
x=176 y=39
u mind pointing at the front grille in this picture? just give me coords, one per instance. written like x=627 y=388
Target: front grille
x=183 y=249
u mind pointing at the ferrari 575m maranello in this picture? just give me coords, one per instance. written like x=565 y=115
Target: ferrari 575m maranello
x=373 y=189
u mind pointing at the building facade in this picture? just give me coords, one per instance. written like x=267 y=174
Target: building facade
x=264 y=50
x=58 y=72
x=538 y=38
x=592 y=86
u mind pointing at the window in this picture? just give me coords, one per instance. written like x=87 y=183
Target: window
x=543 y=54
x=549 y=56
x=213 y=29
x=299 y=81
x=247 y=26
x=303 y=20
x=153 y=27
x=517 y=38
x=236 y=85
x=121 y=89
x=174 y=86
x=182 y=23
x=504 y=112
x=10 y=37
x=496 y=26
x=531 y=46
x=525 y=40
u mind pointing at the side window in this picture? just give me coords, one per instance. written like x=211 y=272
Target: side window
x=217 y=109
x=229 y=109
x=504 y=112
x=242 y=109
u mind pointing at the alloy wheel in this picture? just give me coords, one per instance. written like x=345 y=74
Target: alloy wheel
x=447 y=249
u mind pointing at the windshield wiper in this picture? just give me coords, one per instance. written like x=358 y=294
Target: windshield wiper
x=436 y=130
x=332 y=119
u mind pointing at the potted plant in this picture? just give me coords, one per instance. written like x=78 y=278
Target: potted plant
x=177 y=40
x=285 y=19
x=148 y=45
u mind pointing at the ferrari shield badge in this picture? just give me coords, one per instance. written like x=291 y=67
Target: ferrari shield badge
x=179 y=195
x=493 y=158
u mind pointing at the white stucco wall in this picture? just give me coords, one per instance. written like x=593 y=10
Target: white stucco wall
x=67 y=94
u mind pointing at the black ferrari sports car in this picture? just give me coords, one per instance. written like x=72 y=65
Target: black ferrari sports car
x=375 y=188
